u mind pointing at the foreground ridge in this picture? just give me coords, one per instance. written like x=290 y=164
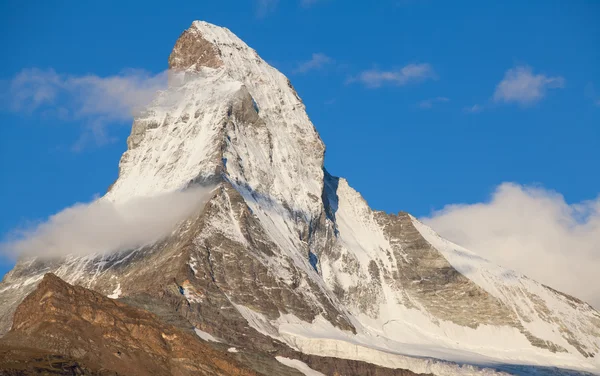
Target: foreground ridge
x=64 y=329
x=109 y=335
x=287 y=256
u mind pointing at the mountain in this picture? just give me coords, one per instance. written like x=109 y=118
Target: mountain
x=286 y=258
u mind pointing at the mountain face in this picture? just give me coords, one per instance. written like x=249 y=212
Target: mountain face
x=61 y=329
x=107 y=334
x=286 y=258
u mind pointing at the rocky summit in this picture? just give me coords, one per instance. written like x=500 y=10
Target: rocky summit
x=286 y=270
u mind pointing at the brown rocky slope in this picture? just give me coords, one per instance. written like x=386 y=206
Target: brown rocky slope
x=107 y=335
x=61 y=329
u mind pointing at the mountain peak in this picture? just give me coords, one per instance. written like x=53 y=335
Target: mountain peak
x=234 y=115
x=207 y=45
x=193 y=50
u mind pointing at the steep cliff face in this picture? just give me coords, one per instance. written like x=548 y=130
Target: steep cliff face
x=286 y=255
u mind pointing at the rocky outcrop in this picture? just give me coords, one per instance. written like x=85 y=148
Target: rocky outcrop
x=24 y=361
x=105 y=334
x=192 y=50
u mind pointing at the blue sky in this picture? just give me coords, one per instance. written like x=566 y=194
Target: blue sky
x=420 y=103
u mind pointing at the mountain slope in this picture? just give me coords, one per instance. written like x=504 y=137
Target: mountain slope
x=286 y=254
x=61 y=329
x=109 y=335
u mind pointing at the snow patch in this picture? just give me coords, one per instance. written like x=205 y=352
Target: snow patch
x=193 y=263
x=298 y=365
x=116 y=293
x=205 y=336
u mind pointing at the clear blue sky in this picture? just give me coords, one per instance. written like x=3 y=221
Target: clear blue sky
x=398 y=153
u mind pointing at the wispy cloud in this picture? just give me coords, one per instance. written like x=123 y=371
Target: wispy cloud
x=410 y=73
x=317 y=61
x=103 y=226
x=97 y=101
x=265 y=7
x=534 y=231
x=473 y=109
x=428 y=103
x=520 y=85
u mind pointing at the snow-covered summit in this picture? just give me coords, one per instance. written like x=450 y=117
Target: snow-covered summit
x=277 y=152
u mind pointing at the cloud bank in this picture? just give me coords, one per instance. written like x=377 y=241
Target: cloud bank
x=98 y=101
x=410 y=73
x=104 y=226
x=521 y=86
x=533 y=231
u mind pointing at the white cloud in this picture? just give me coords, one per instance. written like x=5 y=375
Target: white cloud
x=317 y=61
x=474 y=109
x=534 y=231
x=116 y=97
x=265 y=7
x=408 y=74
x=428 y=103
x=103 y=226
x=521 y=86
x=98 y=101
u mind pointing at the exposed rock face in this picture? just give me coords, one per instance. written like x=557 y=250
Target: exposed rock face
x=192 y=50
x=286 y=255
x=108 y=335
x=24 y=361
x=70 y=330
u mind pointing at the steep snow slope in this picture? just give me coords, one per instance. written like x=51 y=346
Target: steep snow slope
x=287 y=249
x=178 y=138
x=516 y=320
x=543 y=311
x=280 y=155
